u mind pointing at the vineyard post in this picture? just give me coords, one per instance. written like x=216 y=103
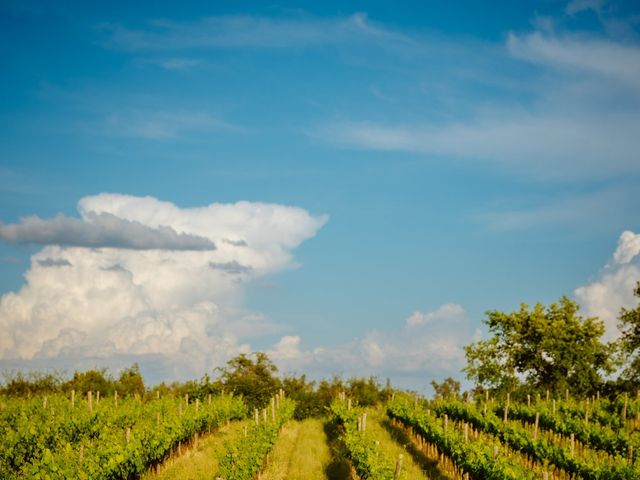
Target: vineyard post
x=128 y=435
x=446 y=422
x=396 y=474
x=98 y=397
x=115 y=398
x=245 y=431
x=598 y=396
x=264 y=415
x=624 y=409
x=364 y=422
x=506 y=408
x=528 y=400
x=537 y=398
x=535 y=426
x=158 y=395
x=209 y=399
x=197 y=405
x=573 y=441
x=256 y=417
x=73 y=398
x=44 y=402
x=90 y=401
x=553 y=408
x=273 y=409
x=466 y=432
x=349 y=404
x=186 y=400
x=547 y=394
x=566 y=394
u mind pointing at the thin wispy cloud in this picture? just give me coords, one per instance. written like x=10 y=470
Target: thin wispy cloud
x=242 y=31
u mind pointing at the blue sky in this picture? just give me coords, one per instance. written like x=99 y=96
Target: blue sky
x=445 y=159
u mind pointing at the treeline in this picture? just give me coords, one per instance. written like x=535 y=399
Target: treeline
x=253 y=377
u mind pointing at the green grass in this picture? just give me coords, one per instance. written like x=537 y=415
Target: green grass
x=390 y=448
x=197 y=462
x=301 y=452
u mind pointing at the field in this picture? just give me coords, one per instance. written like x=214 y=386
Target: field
x=60 y=437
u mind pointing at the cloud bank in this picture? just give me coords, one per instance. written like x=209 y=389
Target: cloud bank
x=614 y=287
x=121 y=282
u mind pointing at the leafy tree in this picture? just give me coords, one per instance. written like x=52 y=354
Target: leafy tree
x=549 y=347
x=630 y=340
x=447 y=389
x=32 y=383
x=91 y=381
x=254 y=379
x=130 y=381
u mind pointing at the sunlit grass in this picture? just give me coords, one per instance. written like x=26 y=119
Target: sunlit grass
x=301 y=453
x=199 y=461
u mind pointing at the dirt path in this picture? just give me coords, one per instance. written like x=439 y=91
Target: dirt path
x=301 y=453
x=199 y=461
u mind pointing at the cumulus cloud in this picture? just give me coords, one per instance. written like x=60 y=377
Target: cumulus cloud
x=96 y=230
x=429 y=345
x=167 y=306
x=613 y=289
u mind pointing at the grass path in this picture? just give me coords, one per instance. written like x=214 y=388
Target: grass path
x=197 y=462
x=391 y=448
x=301 y=453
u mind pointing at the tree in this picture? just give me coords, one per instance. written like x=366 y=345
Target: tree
x=91 y=381
x=130 y=381
x=547 y=347
x=255 y=379
x=630 y=340
x=447 y=389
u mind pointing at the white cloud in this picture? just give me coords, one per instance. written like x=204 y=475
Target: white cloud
x=617 y=61
x=237 y=31
x=628 y=247
x=614 y=287
x=577 y=6
x=160 y=125
x=112 y=303
x=430 y=345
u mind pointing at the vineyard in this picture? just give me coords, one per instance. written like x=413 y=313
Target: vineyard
x=65 y=436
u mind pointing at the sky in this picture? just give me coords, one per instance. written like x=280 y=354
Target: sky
x=347 y=186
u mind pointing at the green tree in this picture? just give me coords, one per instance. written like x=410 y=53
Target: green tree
x=130 y=381
x=91 y=381
x=547 y=347
x=630 y=341
x=447 y=389
x=254 y=379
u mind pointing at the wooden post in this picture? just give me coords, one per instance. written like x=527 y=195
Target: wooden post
x=264 y=415
x=273 y=409
x=256 y=416
x=547 y=394
x=44 y=402
x=535 y=426
x=364 y=422
x=128 y=434
x=73 y=398
x=349 y=404
x=90 y=401
x=466 y=432
x=97 y=397
x=528 y=400
x=157 y=394
x=446 y=423
x=186 y=399
x=197 y=404
x=396 y=474
x=573 y=441
x=566 y=394
x=505 y=417
x=209 y=399
x=553 y=410
x=624 y=408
